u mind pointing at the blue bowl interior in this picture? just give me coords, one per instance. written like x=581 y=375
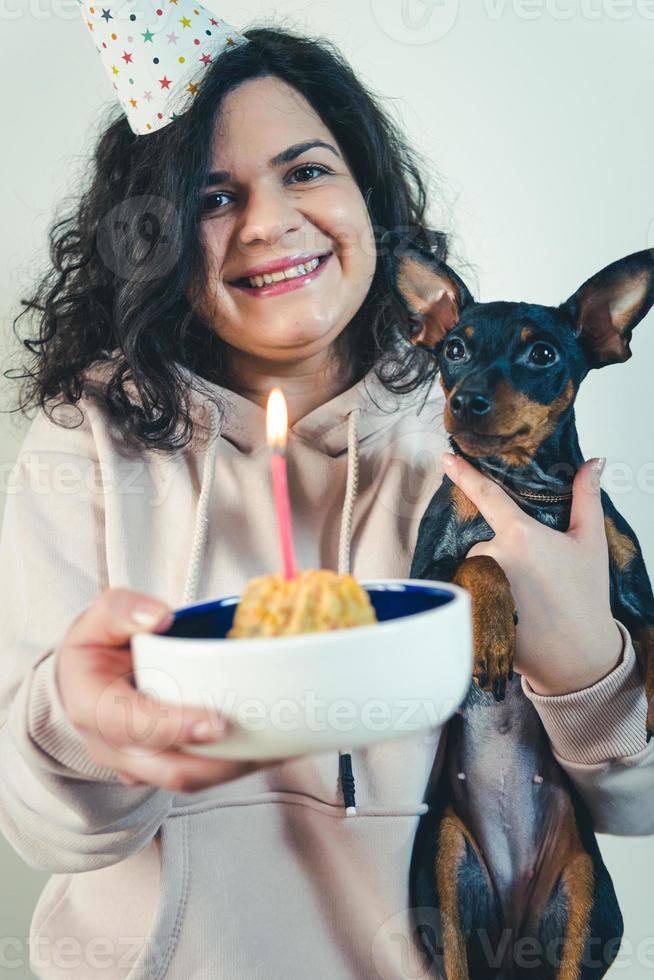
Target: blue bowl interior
x=213 y=620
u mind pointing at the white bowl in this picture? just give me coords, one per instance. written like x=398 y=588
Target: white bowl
x=317 y=691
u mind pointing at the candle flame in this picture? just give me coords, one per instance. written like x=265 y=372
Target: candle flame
x=276 y=419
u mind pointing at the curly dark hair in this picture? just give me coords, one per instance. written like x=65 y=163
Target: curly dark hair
x=95 y=305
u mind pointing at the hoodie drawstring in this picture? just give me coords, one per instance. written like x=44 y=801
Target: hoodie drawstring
x=202 y=513
x=344 y=547
x=351 y=487
x=344 y=553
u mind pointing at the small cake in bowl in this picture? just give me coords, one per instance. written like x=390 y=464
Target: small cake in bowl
x=315 y=663
x=311 y=602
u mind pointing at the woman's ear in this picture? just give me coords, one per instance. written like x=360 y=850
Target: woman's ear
x=430 y=290
x=607 y=307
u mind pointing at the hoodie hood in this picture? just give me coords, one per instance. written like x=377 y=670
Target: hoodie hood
x=243 y=423
x=325 y=428
x=339 y=425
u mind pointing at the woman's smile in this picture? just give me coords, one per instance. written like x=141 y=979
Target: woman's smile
x=298 y=280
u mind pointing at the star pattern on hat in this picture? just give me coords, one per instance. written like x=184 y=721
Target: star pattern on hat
x=164 y=48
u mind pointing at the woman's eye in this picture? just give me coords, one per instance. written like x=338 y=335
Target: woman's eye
x=454 y=350
x=310 y=166
x=209 y=201
x=208 y=205
x=542 y=353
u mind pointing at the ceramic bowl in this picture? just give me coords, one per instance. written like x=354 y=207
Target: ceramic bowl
x=313 y=692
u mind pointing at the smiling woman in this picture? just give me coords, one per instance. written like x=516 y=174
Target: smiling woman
x=245 y=234
x=302 y=203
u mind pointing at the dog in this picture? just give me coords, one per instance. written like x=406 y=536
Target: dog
x=516 y=888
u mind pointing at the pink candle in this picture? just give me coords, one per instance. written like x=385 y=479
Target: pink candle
x=277 y=425
x=283 y=508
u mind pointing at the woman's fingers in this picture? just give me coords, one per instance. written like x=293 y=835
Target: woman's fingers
x=184 y=773
x=94 y=679
x=125 y=729
x=180 y=772
x=115 y=616
x=492 y=502
x=587 y=513
x=123 y=715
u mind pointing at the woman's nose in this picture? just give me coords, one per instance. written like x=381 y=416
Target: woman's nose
x=267 y=217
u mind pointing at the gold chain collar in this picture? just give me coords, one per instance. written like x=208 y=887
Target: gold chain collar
x=551 y=498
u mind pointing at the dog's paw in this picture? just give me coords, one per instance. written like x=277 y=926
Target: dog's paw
x=494 y=644
x=494 y=619
x=493 y=665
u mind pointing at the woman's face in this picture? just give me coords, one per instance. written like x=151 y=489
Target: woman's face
x=269 y=212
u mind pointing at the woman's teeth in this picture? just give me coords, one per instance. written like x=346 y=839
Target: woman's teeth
x=292 y=273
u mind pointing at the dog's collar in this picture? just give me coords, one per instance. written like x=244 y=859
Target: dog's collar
x=549 y=498
x=538 y=496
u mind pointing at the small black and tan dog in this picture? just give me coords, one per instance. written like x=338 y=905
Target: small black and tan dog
x=507 y=855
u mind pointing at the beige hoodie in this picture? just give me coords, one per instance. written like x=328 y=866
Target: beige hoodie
x=264 y=876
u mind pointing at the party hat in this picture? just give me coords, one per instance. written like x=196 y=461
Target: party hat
x=155 y=53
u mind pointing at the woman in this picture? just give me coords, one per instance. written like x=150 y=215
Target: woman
x=166 y=863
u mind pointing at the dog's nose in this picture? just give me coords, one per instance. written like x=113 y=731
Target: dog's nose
x=469 y=404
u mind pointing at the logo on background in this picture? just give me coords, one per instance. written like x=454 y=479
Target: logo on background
x=140 y=238
x=415 y=21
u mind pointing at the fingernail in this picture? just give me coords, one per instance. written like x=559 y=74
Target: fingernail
x=150 y=617
x=137 y=750
x=447 y=459
x=598 y=466
x=201 y=731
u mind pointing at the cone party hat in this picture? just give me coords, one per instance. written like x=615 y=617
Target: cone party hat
x=156 y=54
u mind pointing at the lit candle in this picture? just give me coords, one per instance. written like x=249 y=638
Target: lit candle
x=277 y=427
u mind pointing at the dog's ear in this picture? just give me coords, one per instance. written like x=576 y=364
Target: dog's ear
x=607 y=307
x=432 y=292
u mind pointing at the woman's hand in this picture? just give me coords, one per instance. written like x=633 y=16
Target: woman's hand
x=136 y=735
x=566 y=638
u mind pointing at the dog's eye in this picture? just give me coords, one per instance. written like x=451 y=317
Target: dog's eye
x=454 y=349
x=542 y=353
